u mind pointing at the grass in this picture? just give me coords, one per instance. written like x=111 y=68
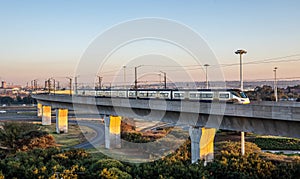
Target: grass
x=263 y=142
x=272 y=143
x=73 y=137
x=27 y=113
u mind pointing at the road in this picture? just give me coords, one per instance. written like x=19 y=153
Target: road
x=283 y=151
x=95 y=141
x=21 y=113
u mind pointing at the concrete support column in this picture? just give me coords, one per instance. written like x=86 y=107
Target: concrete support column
x=202 y=144
x=62 y=121
x=112 y=131
x=207 y=144
x=46 y=115
x=195 y=135
x=39 y=110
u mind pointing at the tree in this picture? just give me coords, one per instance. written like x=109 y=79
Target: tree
x=113 y=172
x=19 y=100
x=6 y=100
x=231 y=164
x=23 y=136
x=29 y=100
x=1 y=175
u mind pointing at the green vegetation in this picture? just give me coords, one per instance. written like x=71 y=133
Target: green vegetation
x=276 y=143
x=73 y=137
x=230 y=163
x=23 y=137
x=135 y=137
x=8 y=100
x=39 y=163
x=53 y=162
x=266 y=93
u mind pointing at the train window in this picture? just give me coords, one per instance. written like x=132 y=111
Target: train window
x=178 y=95
x=209 y=95
x=142 y=94
x=193 y=95
x=223 y=95
x=236 y=93
x=151 y=94
x=131 y=94
x=163 y=94
x=121 y=94
x=243 y=95
x=206 y=95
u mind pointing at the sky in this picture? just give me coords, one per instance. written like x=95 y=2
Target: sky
x=43 y=39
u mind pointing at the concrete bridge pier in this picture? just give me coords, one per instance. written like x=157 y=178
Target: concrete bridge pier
x=39 y=110
x=202 y=144
x=62 y=121
x=46 y=115
x=112 y=131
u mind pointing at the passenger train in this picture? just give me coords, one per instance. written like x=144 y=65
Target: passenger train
x=204 y=95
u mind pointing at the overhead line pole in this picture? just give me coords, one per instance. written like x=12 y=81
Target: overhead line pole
x=76 y=85
x=135 y=77
x=206 y=79
x=100 y=81
x=165 y=79
x=49 y=85
x=124 y=76
x=36 y=85
x=275 y=84
x=53 y=86
x=70 y=85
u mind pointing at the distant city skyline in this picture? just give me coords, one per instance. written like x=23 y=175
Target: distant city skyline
x=46 y=39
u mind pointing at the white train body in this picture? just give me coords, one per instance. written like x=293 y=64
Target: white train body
x=227 y=95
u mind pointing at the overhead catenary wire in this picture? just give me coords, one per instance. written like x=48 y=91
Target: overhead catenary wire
x=116 y=72
x=281 y=59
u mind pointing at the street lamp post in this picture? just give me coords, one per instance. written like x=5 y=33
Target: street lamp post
x=135 y=76
x=241 y=52
x=206 y=80
x=275 y=84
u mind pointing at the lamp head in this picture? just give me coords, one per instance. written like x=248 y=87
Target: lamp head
x=240 y=51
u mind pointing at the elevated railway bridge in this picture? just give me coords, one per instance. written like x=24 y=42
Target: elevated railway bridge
x=267 y=118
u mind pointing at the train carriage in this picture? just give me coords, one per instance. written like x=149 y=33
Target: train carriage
x=207 y=95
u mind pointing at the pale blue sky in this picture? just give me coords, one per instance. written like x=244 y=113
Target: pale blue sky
x=40 y=39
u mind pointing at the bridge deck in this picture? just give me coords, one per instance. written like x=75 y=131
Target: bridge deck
x=272 y=119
